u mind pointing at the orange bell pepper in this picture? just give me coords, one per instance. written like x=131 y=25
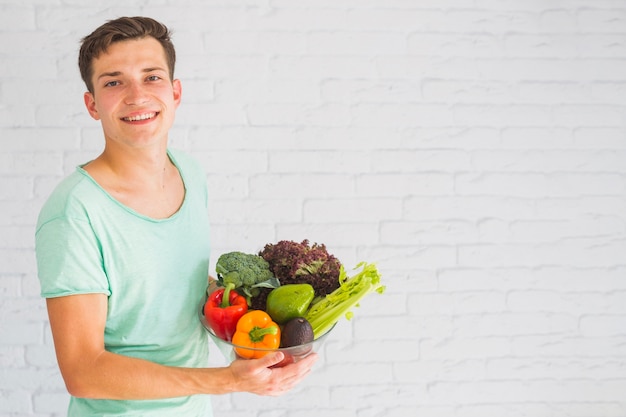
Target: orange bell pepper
x=256 y=330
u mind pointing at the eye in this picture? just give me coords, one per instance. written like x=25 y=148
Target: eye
x=153 y=78
x=111 y=83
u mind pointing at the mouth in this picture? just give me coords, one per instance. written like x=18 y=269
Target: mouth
x=140 y=117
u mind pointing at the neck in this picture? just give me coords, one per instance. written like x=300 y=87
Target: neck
x=146 y=167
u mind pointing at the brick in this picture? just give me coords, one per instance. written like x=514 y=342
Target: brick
x=270 y=43
x=20 y=333
x=311 y=66
x=285 y=17
x=331 y=114
x=402 y=115
x=539 y=185
x=228 y=186
x=512 y=324
x=519 y=391
x=21 y=237
x=549 y=161
x=238 y=234
x=542 y=46
x=604 y=325
x=395 y=19
x=27 y=308
x=17 y=17
x=17 y=188
x=320 y=162
x=51 y=402
x=234 y=162
x=515 y=255
x=560 y=368
x=348 y=235
x=273 y=91
x=10 y=285
x=17 y=261
x=16 y=401
x=12 y=357
x=552 y=92
x=598 y=137
x=474 y=347
x=356 y=43
x=441 y=233
x=16 y=212
x=422 y=161
x=428 y=371
x=40 y=355
x=302 y=186
x=212 y=114
x=574 y=345
x=580 y=207
x=460 y=91
x=349 y=211
x=364 y=397
x=494 y=115
x=359 y=91
x=64 y=92
x=454 y=44
x=430 y=326
x=226 y=66
x=601 y=20
x=528 y=138
x=608 y=92
x=588 y=115
x=257 y=211
x=28 y=163
x=457 y=303
x=26 y=139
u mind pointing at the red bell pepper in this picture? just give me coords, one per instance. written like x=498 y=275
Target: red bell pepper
x=223 y=310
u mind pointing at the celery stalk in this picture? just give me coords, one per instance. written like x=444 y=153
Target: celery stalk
x=325 y=312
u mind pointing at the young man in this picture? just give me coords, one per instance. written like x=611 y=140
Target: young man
x=122 y=248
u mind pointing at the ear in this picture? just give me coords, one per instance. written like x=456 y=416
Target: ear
x=178 y=91
x=90 y=103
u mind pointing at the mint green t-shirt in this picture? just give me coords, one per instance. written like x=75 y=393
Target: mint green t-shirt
x=154 y=273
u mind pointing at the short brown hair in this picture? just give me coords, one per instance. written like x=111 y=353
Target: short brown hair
x=122 y=29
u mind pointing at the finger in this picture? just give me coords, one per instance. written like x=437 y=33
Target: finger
x=271 y=359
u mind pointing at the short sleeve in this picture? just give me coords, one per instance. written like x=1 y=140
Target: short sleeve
x=69 y=260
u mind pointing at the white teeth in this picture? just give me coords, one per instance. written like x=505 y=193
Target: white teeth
x=140 y=117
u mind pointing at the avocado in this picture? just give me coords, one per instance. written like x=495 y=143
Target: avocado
x=297 y=331
x=289 y=301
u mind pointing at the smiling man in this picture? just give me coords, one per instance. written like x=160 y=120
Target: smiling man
x=122 y=248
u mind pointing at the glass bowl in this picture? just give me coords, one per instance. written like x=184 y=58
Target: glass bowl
x=292 y=354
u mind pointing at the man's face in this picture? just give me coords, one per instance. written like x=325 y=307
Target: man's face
x=133 y=96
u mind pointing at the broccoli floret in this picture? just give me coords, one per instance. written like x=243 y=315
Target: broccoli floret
x=245 y=272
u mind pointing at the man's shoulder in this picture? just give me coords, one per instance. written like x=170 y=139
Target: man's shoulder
x=67 y=198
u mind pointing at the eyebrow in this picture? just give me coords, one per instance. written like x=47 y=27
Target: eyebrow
x=118 y=73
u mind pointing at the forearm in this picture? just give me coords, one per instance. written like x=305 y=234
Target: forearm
x=113 y=376
x=92 y=372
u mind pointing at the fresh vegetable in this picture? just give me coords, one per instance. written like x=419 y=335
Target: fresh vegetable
x=244 y=272
x=256 y=330
x=222 y=311
x=289 y=301
x=297 y=263
x=325 y=312
x=297 y=332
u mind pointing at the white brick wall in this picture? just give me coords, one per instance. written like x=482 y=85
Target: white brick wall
x=475 y=149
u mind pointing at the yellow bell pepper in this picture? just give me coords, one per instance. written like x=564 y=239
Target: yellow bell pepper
x=256 y=330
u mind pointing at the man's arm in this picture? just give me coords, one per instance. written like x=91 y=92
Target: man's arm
x=77 y=324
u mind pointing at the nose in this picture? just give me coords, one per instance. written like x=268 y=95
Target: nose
x=135 y=94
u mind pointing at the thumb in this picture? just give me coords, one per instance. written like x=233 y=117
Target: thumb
x=272 y=359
